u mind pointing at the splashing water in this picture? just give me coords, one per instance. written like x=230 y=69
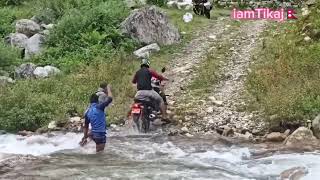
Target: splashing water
x=148 y=157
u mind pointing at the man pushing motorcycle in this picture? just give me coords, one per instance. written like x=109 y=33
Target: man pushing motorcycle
x=143 y=81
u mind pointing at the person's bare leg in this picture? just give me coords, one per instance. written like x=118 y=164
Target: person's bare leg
x=100 y=147
x=163 y=110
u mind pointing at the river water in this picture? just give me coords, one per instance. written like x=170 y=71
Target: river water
x=140 y=157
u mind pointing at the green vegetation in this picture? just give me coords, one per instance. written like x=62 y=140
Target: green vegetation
x=286 y=81
x=87 y=46
x=9 y=57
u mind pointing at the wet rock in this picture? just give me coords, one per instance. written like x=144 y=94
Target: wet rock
x=42 y=130
x=25 y=71
x=150 y=25
x=173 y=132
x=34 y=45
x=147 y=50
x=316 y=126
x=5 y=80
x=189 y=135
x=25 y=133
x=295 y=173
x=300 y=137
x=248 y=136
x=227 y=131
x=27 y=27
x=185 y=129
x=2 y=132
x=275 y=137
x=157 y=122
x=18 y=40
x=47 y=71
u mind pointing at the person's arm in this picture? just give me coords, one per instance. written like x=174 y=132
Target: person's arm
x=158 y=76
x=134 y=80
x=103 y=105
x=85 y=131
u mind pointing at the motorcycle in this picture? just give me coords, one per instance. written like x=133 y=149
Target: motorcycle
x=202 y=7
x=143 y=112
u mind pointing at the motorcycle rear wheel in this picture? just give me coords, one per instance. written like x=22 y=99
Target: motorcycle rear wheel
x=137 y=119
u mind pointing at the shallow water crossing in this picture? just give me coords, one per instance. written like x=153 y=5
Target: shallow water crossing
x=146 y=157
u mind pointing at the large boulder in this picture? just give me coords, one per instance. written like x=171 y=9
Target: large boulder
x=5 y=80
x=276 y=137
x=301 y=136
x=17 y=40
x=145 y=51
x=34 y=45
x=150 y=25
x=25 y=71
x=47 y=71
x=316 y=126
x=27 y=27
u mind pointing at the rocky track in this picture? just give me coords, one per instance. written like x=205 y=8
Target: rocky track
x=220 y=108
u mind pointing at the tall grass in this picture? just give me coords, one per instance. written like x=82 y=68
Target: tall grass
x=286 y=81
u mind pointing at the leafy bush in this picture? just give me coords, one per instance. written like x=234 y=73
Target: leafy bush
x=11 y=2
x=51 y=11
x=6 y=21
x=9 y=56
x=85 y=33
x=158 y=2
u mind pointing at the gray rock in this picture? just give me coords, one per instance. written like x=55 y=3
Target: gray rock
x=150 y=25
x=218 y=103
x=185 y=129
x=27 y=27
x=227 y=131
x=25 y=133
x=147 y=50
x=275 y=137
x=17 y=40
x=189 y=135
x=5 y=80
x=2 y=132
x=295 y=173
x=25 y=71
x=52 y=125
x=209 y=110
x=307 y=39
x=47 y=71
x=300 y=137
x=316 y=126
x=34 y=45
x=47 y=27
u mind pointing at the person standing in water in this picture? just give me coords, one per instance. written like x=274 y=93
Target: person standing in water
x=96 y=117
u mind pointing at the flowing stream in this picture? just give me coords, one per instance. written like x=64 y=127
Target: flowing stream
x=146 y=157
